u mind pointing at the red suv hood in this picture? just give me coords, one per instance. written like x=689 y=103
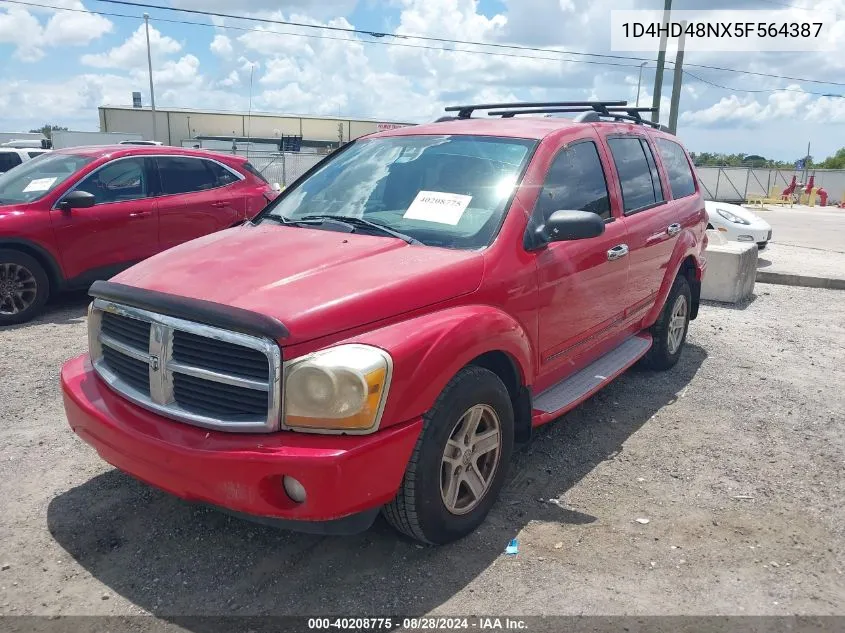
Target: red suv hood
x=315 y=282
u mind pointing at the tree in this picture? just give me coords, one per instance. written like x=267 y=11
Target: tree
x=837 y=161
x=47 y=130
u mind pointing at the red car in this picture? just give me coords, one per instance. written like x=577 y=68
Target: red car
x=385 y=331
x=76 y=215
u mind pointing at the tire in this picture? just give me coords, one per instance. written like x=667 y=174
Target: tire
x=24 y=287
x=420 y=510
x=666 y=349
x=762 y=245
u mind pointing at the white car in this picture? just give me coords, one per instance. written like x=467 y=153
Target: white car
x=737 y=223
x=13 y=156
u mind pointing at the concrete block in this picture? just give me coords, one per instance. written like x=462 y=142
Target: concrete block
x=731 y=272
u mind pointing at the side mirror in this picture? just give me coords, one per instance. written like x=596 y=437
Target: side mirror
x=564 y=226
x=77 y=200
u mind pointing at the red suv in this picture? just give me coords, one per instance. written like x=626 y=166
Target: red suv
x=389 y=327
x=76 y=215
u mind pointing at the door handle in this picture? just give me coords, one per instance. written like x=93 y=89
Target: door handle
x=140 y=214
x=617 y=252
x=219 y=205
x=673 y=229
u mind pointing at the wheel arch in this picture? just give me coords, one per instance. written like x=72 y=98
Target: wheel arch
x=429 y=350
x=683 y=261
x=40 y=254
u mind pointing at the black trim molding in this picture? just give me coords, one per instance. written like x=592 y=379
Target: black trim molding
x=199 y=310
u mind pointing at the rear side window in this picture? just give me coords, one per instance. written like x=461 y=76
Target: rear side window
x=251 y=169
x=9 y=160
x=184 y=175
x=222 y=176
x=34 y=154
x=575 y=182
x=681 y=177
x=638 y=175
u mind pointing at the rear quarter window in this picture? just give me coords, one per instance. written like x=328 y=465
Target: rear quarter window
x=681 y=177
x=251 y=169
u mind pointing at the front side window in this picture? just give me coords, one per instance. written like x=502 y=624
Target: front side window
x=639 y=189
x=681 y=178
x=448 y=191
x=575 y=182
x=184 y=175
x=118 y=181
x=38 y=177
x=9 y=160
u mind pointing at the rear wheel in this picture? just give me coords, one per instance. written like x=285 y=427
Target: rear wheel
x=670 y=331
x=459 y=463
x=24 y=287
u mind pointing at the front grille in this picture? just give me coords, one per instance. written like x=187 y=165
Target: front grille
x=214 y=355
x=198 y=395
x=187 y=371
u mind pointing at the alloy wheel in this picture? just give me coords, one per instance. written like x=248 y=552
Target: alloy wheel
x=677 y=324
x=18 y=288
x=470 y=459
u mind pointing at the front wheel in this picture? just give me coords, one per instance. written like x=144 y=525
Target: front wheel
x=459 y=463
x=24 y=287
x=670 y=331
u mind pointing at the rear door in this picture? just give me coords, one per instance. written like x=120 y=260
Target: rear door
x=650 y=220
x=581 y=299
x=119 y=230
x=194 y=200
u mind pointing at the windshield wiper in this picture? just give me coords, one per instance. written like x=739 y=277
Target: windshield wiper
x=357 y=222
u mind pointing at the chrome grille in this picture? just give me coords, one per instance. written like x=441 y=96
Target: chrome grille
x=188 y=371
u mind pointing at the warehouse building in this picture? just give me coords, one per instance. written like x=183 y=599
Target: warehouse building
x=180 y=126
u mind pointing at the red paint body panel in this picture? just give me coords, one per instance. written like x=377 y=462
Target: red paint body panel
x=342 y=475
x=552 y=311
x=84 y=244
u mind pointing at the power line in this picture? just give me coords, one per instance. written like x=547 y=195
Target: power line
x=446 y=40
x=326 y=37
x=424 y=47
x=761 y=90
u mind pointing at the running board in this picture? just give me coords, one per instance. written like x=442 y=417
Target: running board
x=593 y=377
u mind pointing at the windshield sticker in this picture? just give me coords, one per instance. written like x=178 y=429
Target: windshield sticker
x=40 y=184
x=436 y=206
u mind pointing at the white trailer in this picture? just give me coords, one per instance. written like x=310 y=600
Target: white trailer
x=63 y=139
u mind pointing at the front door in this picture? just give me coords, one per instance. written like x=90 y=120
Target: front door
x=119 y=230
x=581 y=301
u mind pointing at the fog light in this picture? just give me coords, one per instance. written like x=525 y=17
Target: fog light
x=295 y=490
x=745 y=238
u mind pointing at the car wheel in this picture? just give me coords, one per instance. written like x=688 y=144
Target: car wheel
x=24 y=287
x=459 y=462
x=761 y=245
x=669 y=333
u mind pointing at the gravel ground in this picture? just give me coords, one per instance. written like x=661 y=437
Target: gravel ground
x=734 y=458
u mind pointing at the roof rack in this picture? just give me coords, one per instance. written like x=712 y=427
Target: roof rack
x=465 y=111
x=598 y=111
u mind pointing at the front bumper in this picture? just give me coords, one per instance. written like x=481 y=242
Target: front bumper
x=346 y=478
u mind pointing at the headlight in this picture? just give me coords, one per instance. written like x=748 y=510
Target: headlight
x=731 y=217
x=342 y=388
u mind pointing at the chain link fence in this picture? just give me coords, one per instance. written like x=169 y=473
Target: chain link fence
x=735 y=184
x=282 y=168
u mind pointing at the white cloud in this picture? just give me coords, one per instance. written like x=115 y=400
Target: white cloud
x=748 y=111
x=221 y=46
x=22 y=28
x=133 y=52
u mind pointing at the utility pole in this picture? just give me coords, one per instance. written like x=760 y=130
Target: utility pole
x=640 y=81
x=676 y=84
x=249 y=115
x=661 y=61
x=150 y=66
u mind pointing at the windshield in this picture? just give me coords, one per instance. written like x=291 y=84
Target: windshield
x=448 y=191
x=36 y=178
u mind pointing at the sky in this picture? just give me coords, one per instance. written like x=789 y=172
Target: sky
x=58 y=66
